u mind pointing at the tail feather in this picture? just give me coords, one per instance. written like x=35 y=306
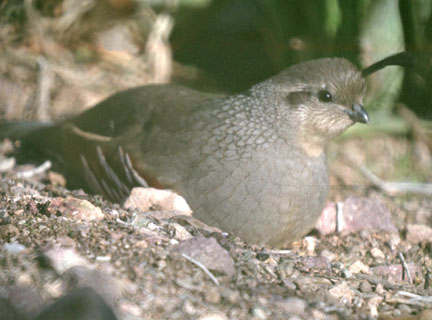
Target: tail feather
x=36 y=138
x=85 y=162
x=21 y=130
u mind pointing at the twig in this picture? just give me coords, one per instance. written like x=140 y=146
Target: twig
x=405 y=268
x=35 y=171
x=270 y=272
x=339 y=217
x=281 y=252
x=199 y=264
x=73 y=11
x=44 y=88
x=416 y=299
x=394 y=188
x=428 y=276
x=157 y=52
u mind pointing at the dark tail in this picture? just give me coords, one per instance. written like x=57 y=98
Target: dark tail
x=36 y=139
x=85 y=163
x=21 y=130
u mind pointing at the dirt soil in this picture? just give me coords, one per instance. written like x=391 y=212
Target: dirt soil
x=161 y=265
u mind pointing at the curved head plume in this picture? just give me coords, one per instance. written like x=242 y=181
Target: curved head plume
x=403 y=59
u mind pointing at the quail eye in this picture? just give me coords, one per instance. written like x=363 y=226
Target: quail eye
x=325 y=96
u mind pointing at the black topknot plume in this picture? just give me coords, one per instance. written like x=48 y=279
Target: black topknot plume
x=403 y=59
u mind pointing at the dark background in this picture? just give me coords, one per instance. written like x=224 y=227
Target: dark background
x=236 y=43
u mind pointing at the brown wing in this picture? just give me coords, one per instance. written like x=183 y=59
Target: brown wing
x=96 y=145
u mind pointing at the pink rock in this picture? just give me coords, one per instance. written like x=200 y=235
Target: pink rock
x=208 y=252
x=76 y=209
x=318 y=262
x=327 y=221
x=418 y=232
x=356 y=214
x=393 y=273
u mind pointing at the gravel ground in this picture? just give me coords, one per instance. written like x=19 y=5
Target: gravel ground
x=61 y=248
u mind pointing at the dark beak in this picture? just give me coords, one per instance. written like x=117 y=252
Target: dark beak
x=358 y=113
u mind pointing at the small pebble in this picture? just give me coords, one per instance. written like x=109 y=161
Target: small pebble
x=292 y=305
x=14 y=247
x=259 y=313
x=365 y=287
x=377 y=254
x=346 y=273
x=189 y=308
x=358 y=267
x=151 y=226
x=379 y=288
x=213 y=316
x=404 y=308
x=289 y=284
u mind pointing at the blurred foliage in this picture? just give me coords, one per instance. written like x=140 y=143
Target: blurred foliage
x=194 y=3
x=242 y=42
x=405 y=169
x=416 y=19
x=333 y=17
x=181 y=3
x=381 y=27
x=380 y=36
x=238 y=43
x=12 y=11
